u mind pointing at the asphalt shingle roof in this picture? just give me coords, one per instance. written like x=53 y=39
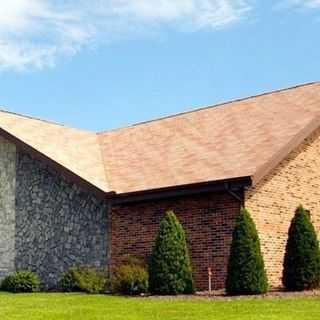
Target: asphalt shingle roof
x=243 y=138
x=76 y=150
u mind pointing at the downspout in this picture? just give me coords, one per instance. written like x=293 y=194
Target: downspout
x=233 y=194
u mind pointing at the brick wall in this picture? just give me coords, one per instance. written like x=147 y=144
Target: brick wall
x=274 y=200
x=208 y=220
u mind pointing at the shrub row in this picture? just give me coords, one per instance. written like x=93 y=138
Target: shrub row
x=80 y=279
x=301 y=268
x=169 y=270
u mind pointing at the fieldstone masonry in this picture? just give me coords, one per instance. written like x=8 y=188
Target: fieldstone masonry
x=7 y=206
x=47 y=224
x=58 y=225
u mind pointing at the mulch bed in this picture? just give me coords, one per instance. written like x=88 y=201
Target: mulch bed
x=220 y=295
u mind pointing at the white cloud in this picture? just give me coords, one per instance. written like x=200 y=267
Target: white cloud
x=35 y=33
x=311 y=3
x=195 y=13
x=308 y=4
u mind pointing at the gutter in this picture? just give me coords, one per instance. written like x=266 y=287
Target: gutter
x=230 y=185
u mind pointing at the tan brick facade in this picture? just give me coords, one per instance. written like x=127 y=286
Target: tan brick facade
x=272 y=202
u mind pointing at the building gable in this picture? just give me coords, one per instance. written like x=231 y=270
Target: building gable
x=274 y=199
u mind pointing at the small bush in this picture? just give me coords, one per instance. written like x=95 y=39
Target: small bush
x=21 y=282
x=84 y=279
x=301 y=267
x=246 y=273
x=68 y=281
x=131 y=260
x=131 y=278
x=170 y=266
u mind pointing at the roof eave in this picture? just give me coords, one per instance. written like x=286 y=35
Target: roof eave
x=180 y=190
x=73 y=177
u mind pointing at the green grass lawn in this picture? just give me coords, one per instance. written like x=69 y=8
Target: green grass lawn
x=77 y=306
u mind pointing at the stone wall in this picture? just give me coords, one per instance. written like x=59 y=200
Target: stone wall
x=208 y=220
x=58 y=225
x=7 y=206
x=274 y=200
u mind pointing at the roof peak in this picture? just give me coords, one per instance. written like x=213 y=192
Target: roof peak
x=219 y=104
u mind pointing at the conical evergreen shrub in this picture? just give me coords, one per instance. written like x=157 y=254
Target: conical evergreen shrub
x=301 y=267
x=170 y=269
x=246 y=273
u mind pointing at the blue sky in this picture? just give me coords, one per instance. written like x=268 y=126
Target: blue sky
x=103 y=64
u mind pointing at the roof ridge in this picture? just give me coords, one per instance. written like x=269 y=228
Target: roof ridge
x=32 y=117
x=104 y=165
x=220 y=104
x=45 y=121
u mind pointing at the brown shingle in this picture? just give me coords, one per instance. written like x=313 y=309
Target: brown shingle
x=243 y=138
x=230 y=140
x=74 y=149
